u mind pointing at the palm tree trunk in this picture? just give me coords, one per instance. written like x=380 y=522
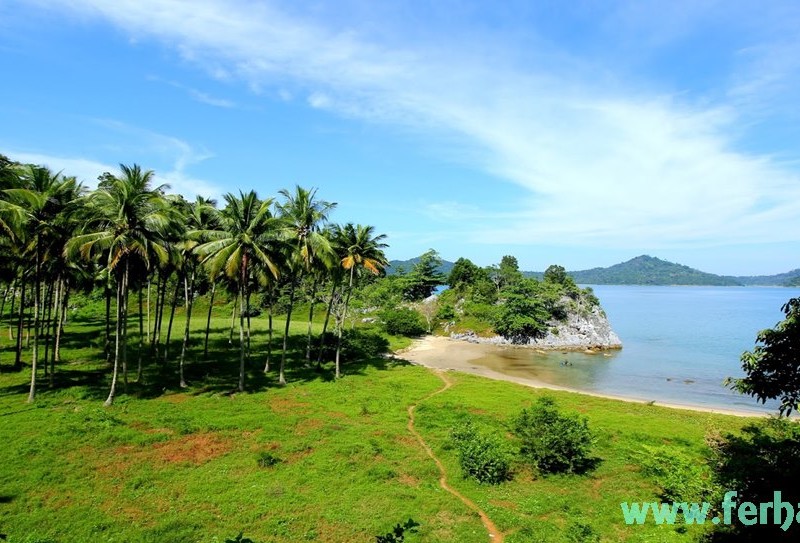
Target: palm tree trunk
x=172 y=317
x=107 y=348
x=248 y=325
x=11 y=312
x=61 y=320
x=233 y=319
x=325 y=325
x=241 y=338
x=281 y=376
x=341 y=324
x=141 y=331
x=270 y=295
x=53 y=325
x=311 y=319
x=125 y=332
x=36 y=303
x=148 y=309
x=117 y=343
x=156 y=320
x=3 y=306
x=208 y=319
x=44 y=325
x=161 y=298
x=20 y=322
x=189 y=293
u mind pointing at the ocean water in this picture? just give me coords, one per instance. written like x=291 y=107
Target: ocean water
x=679 y=344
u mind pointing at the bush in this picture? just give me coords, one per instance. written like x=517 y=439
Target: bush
x=446 y=312
x=357 y=344
x=266 y=459
x=398 y=533
x=681 y=478
x=403 y=321
x=581 y=532
x=482 y=457
x=551 y=441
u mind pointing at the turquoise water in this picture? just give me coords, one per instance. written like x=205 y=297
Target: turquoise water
x=680 y=343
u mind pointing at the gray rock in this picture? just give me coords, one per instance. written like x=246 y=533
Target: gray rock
x=581 y=330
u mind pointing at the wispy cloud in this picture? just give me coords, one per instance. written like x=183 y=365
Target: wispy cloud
x=85 y=170
x=603 y=163
x=197 y=95
x=175 y=158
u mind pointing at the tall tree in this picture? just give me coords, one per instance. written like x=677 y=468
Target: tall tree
x=201 y=217
x=361 y=250
x=126 y=222
x=424 y=277
x=243 y=246
x=44 y=195
x=303 y=217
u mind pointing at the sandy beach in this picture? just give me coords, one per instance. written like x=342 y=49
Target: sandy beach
x=447 y=354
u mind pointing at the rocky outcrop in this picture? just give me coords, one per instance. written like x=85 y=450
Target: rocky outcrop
x=581 y=330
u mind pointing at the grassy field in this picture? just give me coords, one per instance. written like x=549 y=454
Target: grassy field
x=316 y=460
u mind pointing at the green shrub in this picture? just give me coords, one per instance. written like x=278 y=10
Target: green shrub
x=680 y=477
x=446 y=312
x=357 y=344
x=482 y=457
x=581 y=532
x=398 y=533
x=266 y=459
x=551 y=441
x=403 y=321
x=239 y=539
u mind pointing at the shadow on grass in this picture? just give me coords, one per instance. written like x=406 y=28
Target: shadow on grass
x=761 y=461
x=89 y=377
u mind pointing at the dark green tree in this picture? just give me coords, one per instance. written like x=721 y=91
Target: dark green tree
x=524 y=313
x=464 y=273
x=773 y=366
x=555 y=274
x=424 y=277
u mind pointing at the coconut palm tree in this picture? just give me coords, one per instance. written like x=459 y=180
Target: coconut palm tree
x=201 y=216
x=41 y=198
x=303 y=217
x=244 y=245
x=126 y=222
x=360 y=250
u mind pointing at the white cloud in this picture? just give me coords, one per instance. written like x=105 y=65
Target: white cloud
x=319 y=100
x=603 y=165
x=173 y=159
x=85 y=170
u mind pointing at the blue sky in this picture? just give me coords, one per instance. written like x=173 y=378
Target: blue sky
x=582 y=133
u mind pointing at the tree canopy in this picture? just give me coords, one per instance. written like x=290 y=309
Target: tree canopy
x=773 y=366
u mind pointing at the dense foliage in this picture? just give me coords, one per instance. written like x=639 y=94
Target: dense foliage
x=773 y=366
x=482 y=456
x=130 y=237
x=402 y=321
x=553 y=442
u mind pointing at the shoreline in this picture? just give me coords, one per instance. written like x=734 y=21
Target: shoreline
x=443 y=353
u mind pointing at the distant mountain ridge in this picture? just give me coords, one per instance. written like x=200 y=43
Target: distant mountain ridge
x=648 y=270
x=645 y=270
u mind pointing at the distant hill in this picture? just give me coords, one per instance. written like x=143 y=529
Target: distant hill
x=790 y=278
x=648 y=270
x=644 y=270
x=406 y=265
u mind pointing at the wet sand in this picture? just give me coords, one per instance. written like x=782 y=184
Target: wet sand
x=448 y=354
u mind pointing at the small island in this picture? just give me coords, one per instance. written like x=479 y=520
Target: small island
x=499 y=305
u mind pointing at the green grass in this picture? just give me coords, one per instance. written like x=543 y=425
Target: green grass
x=317 y=460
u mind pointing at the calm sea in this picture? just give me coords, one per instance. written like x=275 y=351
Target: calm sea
x=680 y=343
